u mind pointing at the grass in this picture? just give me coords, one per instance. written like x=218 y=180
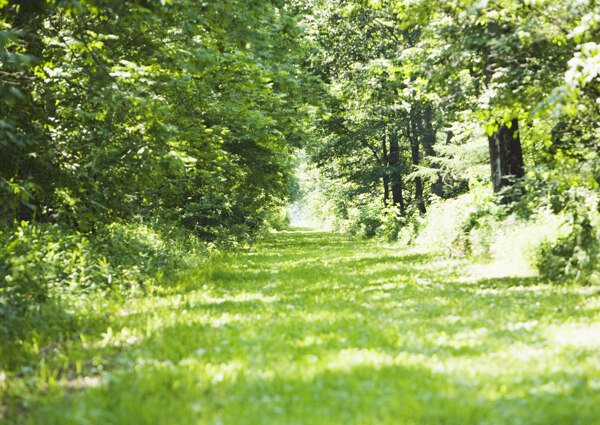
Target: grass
x=316 y=328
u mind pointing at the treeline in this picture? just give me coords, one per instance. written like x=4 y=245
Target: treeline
x=429 y=100
x=134 y=134
x=188 y=110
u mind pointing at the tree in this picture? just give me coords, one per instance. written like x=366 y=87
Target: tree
x=184 y=110
x=506 y=157
x=378 y=115
x=499 y=59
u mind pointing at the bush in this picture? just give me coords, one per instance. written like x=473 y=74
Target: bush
x=365 y=221
x=45 y=267
x=392 y=222
x=372 y=220
x=572 y=258
x=448 y=224
x=476 y=225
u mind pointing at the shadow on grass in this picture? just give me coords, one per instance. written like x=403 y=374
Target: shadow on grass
x=256 y=382
x=509 y=282
x=44 y=331
x=19 y=332
x=342 y=335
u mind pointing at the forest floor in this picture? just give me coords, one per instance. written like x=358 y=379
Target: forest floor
x=317 y=328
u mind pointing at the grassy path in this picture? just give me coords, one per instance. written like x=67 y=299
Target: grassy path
x=314 y=328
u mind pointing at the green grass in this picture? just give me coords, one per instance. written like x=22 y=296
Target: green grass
x=316 y=328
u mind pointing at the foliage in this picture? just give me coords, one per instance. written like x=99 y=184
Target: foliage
x=573 y=258
x=46 y=267
x=447 y=226
x=379 y=124
x=186 y=110
x=126 y=125
x=475 y=225
x=441 y=79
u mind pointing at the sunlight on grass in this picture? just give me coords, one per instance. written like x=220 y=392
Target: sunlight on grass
x=317 y=328
x=577 y=336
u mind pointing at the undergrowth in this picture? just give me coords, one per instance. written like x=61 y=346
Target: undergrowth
x=559 y=244
x=46 y=270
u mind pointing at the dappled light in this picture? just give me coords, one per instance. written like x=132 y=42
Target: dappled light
x=305 y=212
x=317 y=327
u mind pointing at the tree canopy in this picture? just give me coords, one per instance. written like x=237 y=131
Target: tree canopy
x=452 y=85
x=185 y=109
x=197 y=113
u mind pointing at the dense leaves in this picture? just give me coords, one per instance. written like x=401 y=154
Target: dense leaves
x=131 y=132
x=188 y=110
x=426 y=95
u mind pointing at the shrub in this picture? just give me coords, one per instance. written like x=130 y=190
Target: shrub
x=392 y=223
x=476 y=225
x=44 y=267
x=364 y=221
x=572 y=258
x=447 y=226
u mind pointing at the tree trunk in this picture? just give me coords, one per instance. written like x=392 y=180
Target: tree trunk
x=437 y=187
x=428 y=132
x=506 y=157
x=414 y=151
x=386 y=177
x=396 y=172
x=386 y=191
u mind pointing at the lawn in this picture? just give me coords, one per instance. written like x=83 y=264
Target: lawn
x=317 y=328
